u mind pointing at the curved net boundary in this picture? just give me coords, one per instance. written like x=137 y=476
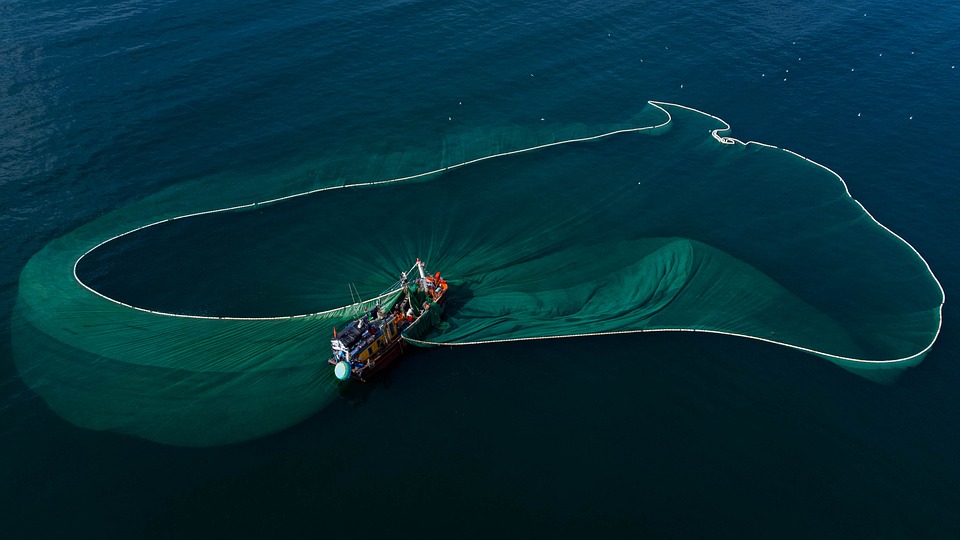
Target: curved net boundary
x=204 y=380
x=862 y=366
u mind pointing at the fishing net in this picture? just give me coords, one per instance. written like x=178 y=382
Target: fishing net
x=542 y=234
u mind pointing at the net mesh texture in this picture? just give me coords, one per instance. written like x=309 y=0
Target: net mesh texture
x=213 y=328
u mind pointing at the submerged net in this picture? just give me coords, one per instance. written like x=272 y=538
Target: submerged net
x=624 y=232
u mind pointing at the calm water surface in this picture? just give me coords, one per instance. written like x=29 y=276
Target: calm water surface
x=103 y=103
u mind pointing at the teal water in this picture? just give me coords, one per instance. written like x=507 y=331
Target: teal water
x=104 y=104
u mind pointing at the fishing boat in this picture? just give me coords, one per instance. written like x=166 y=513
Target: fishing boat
x=370 y=342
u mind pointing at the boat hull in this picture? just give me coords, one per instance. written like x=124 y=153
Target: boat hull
x=370 y=344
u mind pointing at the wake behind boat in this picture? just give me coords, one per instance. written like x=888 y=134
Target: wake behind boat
x=368 y=344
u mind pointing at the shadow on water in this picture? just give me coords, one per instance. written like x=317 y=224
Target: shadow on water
x=460 y=295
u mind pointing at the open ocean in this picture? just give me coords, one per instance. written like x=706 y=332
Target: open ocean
x=696 y=436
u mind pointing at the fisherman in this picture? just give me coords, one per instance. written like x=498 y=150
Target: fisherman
x=438 y=283
x=428 y=281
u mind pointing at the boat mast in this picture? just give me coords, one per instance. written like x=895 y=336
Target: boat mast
x=420 y=265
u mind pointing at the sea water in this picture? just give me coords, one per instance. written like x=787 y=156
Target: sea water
x=104 y=104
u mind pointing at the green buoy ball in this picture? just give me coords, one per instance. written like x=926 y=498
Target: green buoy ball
x=342 y=370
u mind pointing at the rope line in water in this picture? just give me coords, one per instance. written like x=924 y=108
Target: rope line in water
x=715 y=133
x=330 y=188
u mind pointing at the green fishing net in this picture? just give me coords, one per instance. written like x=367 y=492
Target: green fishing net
x=215 y=328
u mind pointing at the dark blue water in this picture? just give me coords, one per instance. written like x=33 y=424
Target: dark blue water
x=102 y=104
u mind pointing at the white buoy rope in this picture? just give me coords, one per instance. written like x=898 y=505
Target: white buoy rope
x=715 y=133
